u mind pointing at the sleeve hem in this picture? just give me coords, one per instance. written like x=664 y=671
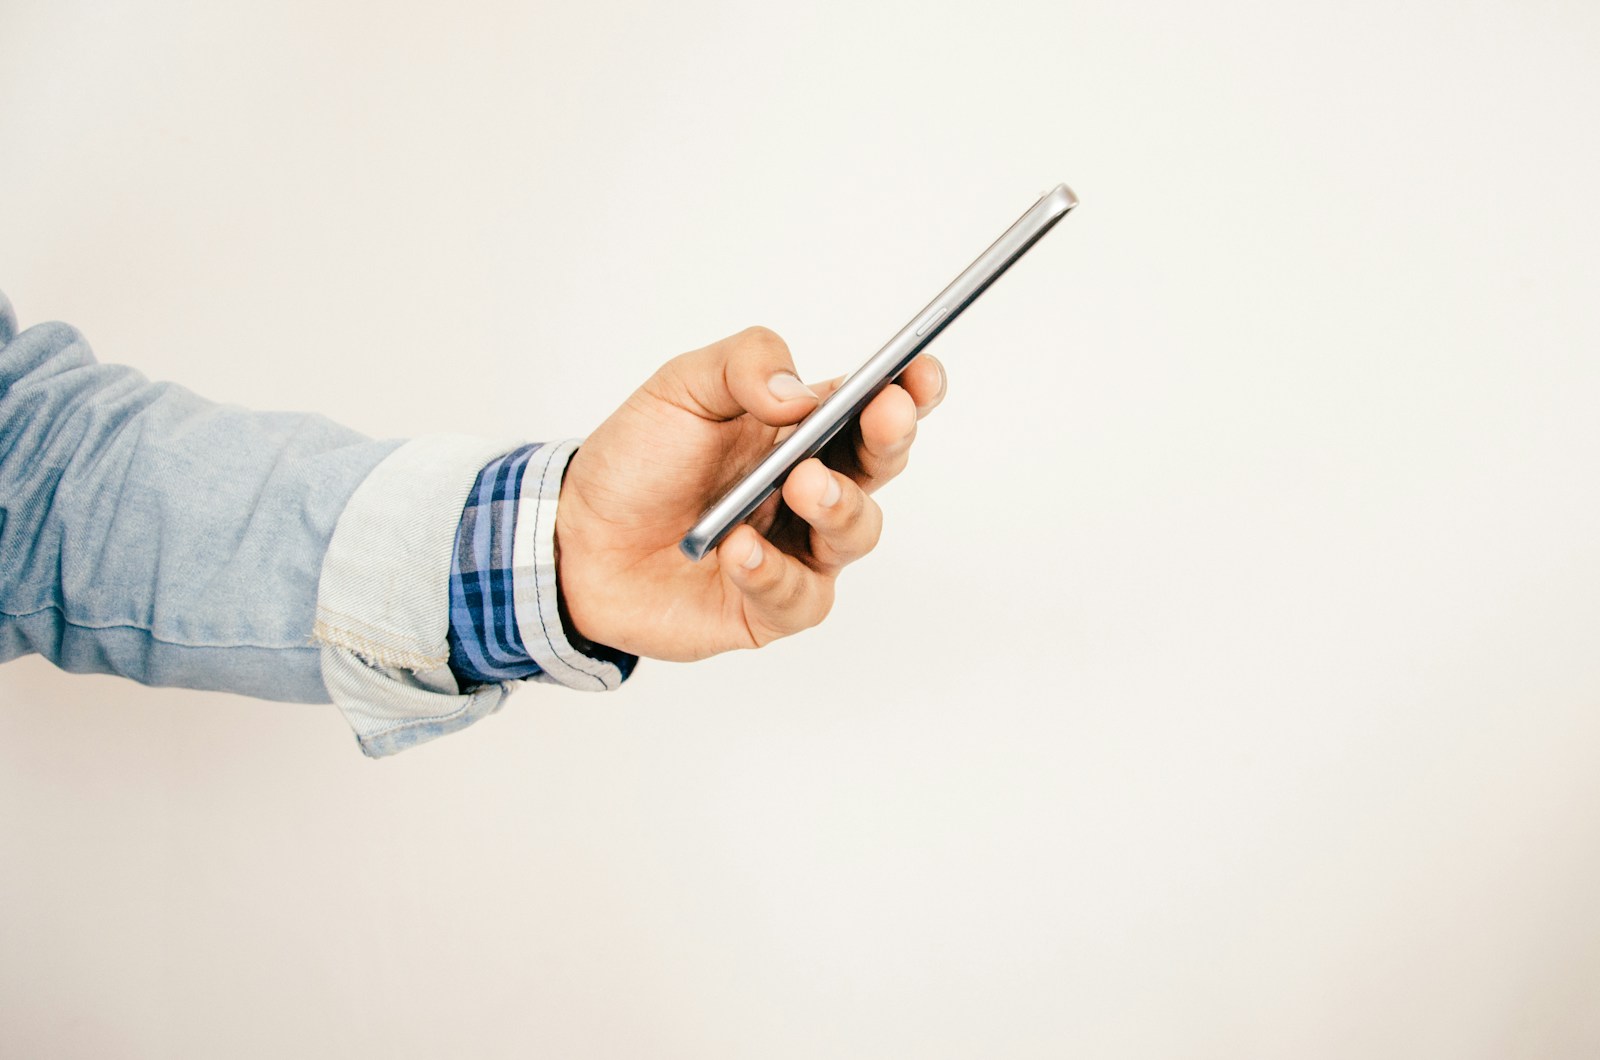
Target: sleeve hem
x=535 y=589
x=383 y=597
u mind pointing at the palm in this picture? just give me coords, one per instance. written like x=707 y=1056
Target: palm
x=632 y=490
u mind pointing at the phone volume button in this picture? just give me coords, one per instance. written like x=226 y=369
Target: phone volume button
x=927 y=325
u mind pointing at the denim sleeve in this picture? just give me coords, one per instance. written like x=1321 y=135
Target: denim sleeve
x=383 y=605
x=147 y=532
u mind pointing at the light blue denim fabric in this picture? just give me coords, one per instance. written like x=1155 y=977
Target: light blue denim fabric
x=147 y=532
x=382 y=608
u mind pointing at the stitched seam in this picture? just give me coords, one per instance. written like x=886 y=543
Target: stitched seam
x=152 y=634
x=411 y=723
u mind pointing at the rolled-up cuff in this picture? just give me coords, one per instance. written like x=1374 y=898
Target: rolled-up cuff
x=383 y=599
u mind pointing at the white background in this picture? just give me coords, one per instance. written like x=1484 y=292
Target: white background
x=1227 y=682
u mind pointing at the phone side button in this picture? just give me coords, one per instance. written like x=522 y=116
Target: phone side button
x=927 y=325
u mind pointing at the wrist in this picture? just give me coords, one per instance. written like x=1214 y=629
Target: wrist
x=516 y=586
x=587 y=613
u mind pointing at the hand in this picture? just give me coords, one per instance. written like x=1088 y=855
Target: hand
x=700 y=423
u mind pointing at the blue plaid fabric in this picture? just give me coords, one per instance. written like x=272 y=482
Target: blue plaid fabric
x=486 y=646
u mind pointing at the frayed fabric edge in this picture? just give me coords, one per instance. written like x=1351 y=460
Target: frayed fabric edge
x=371 y=652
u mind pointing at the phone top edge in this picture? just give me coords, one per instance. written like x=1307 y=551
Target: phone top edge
x=1061 y=197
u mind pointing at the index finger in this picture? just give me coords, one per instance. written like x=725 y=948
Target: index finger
x=751 y=372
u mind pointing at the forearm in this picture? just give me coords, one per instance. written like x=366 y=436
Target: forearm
x=147 y=532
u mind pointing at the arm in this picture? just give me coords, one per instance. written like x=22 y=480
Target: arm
x=147 y=532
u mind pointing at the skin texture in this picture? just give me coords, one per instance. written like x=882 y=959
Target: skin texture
x=643 y=478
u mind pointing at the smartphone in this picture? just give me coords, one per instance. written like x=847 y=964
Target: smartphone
x=853 y=395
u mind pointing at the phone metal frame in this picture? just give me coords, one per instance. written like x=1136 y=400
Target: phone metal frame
x=844 y=404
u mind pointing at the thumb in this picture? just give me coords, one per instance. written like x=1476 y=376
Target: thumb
x=751 y=372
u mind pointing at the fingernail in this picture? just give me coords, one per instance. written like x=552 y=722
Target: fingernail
x=830 y=493
x=785 y=386
x=753 y=560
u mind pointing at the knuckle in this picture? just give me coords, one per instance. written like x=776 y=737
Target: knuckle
x=821 y=608
x=763 y=340
x=785 y=602
x=852 y=511
x=861 y=540
x=892 y=448
x=670 y=382
x=769 y=579
x=871 y=532
x=671 y=370
x=860 y=503
x=792 y=593
x=885 y=468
